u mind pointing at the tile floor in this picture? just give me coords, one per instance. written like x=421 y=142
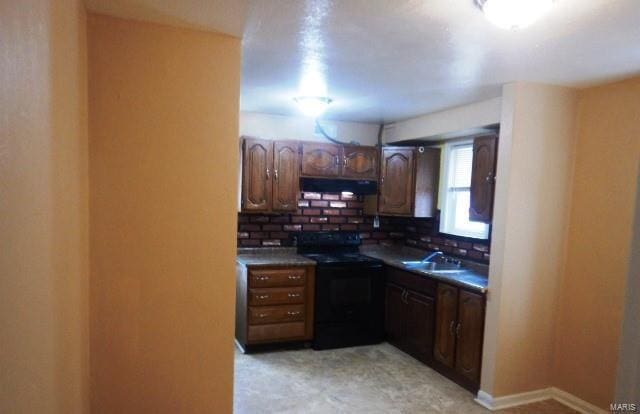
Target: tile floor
x=370 y=379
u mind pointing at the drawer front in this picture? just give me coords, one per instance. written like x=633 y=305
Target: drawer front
x=276 y=332
x=276 y=296
x=412 y=281
x=295 y=276
x=259 y=315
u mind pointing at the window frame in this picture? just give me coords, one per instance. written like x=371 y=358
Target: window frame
x=445 y=189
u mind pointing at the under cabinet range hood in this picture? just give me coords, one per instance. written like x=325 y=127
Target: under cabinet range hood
x=330 y=185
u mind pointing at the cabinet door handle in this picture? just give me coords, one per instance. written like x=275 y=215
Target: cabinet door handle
x=458 y=330
x=275 y=174
x=344 y=161
x=268 y=174
x=451 y=327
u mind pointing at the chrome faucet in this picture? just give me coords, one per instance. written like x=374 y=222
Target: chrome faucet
x=431 y=256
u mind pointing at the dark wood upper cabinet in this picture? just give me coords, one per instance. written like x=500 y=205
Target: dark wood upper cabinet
x=469 y=334
x=483 y=178
x=286 y=175
x=360 y=162
x=257 y=169
x=321 y=160
x=397 y=176
x=446 y=309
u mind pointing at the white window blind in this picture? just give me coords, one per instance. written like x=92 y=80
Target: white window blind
x=455 y=202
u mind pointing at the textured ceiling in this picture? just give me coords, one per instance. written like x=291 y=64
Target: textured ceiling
x=385 y=60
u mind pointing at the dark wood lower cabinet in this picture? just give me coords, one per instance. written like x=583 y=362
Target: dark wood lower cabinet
x=441 y=327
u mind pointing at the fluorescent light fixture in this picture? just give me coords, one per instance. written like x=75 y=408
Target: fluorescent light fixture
x=312 y=106
x=513 y=14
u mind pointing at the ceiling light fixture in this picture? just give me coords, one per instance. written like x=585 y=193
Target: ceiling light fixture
x=313 y=106
x=513 y=14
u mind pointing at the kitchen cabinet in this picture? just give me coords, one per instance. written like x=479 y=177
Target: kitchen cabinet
x=360 y=162
x=408 y=182
x=274 y=304
x=270 y=175
x=286 y=176
x=410 y=313
x=483 y=174
x=459 y=333
x=339 y=161
x=397 y=175
x=321 y=160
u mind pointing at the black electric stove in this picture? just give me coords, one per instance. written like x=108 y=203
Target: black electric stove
x=349 y=299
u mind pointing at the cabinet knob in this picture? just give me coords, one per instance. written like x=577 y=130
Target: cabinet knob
x=451 y=327
x=458 y=330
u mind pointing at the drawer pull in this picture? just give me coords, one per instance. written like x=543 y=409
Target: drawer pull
x=263 y=296
x=295 y=277
x=262 y=315
x=294 y=295
x=293 y=313
x=263 y=277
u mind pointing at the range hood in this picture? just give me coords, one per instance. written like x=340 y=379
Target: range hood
x=329 y=185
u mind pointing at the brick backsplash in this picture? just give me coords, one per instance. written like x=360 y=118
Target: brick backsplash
x=335 y=212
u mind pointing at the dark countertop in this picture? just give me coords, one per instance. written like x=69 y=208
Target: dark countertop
x=272 y=256
x=473 y=277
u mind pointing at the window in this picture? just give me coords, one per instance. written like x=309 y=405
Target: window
x=454 y=217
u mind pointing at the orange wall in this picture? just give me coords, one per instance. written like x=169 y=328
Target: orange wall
x=163 y=128
x=43 y=208
x=599 y=237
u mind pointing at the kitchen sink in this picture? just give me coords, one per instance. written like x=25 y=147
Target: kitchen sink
x=433 y=267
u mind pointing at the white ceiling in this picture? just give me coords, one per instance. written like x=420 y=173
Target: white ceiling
x=385 y=60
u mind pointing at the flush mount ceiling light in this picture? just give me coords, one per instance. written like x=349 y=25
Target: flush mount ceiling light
x=313 y=106
x=513 y=14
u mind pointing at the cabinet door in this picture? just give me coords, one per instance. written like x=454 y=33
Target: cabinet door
x=286 y=176
x=360 y=162
x=397 y=181
x=419 y=325
x=257 y=168
x=394 y=315
x=483 y=178
x=469 y=332
x=321 y=160
x=446 y=307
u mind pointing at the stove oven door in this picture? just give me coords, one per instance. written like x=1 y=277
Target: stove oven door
x=349 y=305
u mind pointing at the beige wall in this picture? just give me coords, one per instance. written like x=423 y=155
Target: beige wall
x=163 y=133
x=442 y=124
x=43 y=208
x=528 y=242
x=298 y=127
x=593 y=291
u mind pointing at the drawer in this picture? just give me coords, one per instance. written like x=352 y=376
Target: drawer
x=275 y=314
x=276 y=296
x=294 y=276
x=276 y=332
x=423 y=284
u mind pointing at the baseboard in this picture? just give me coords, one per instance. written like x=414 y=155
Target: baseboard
x=574 y=402
x=493 y=404
x=508 y=401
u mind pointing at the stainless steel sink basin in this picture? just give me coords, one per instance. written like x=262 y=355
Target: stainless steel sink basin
x=433 y=267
